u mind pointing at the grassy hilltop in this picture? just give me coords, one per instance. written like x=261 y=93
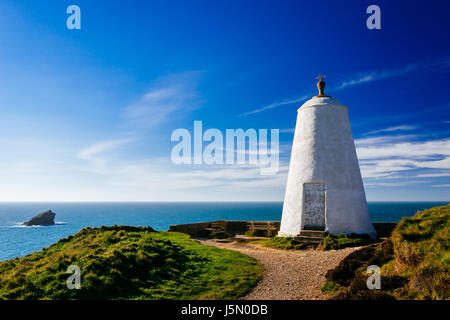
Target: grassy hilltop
x=123 y=262
x=414 y=262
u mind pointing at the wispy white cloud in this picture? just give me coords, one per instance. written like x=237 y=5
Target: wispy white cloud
x=365 y=77
x=382 y=140
x=396 y=184
x=276 y=105
x=424 y=150
x=161 y=179
x=396 y=128
x=92 y=152
x=362 y=78
x=359 y=79
x=169 y=96
x=434 y=175
x=400 y=156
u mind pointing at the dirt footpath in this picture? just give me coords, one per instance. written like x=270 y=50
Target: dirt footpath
x=289 y=275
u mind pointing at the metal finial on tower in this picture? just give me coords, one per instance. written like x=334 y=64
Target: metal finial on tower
x=321 y=85
x=321 y=76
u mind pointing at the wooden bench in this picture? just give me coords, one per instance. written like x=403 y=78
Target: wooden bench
x=217 y=226
x=267 y=226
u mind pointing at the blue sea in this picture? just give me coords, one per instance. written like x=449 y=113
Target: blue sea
x=17 y=240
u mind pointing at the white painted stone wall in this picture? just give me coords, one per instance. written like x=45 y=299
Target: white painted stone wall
x=324 y=151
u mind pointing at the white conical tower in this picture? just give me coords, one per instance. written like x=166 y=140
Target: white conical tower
x=324 y=188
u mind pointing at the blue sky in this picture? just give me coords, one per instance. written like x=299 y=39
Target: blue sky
x=87 y=115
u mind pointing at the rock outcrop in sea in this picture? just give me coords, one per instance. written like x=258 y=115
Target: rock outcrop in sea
x=44 y=219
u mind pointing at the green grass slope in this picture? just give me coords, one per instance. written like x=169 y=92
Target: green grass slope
x=330 y=242
x=414 y=262
x=123 y=262
x=282 y=243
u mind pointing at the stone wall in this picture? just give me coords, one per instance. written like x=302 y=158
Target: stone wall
x=193 y=229
x=199 y=229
